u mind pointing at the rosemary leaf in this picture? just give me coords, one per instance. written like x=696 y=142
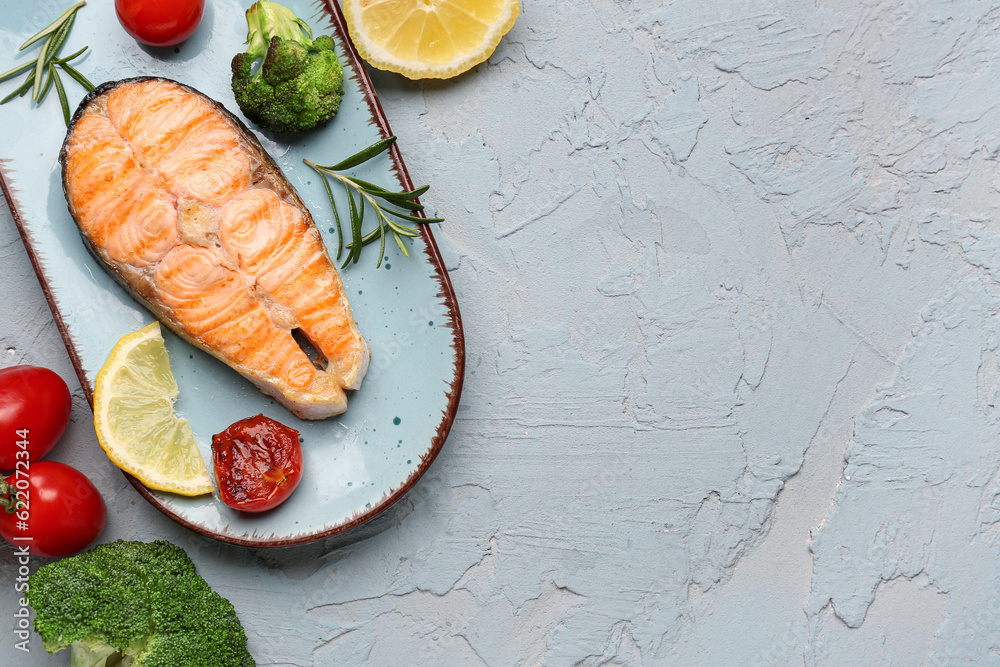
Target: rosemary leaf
x=336 y=216
x=73 y=72
x=404 y=199
x=48 y=84
x=381 y=247
x=52 y=27
x=17 y=70
x=355 y=226
x=402 y=229
x=402 y=246
x=361 y=211
x=370 y=188
x=408 y=205
x=412 y=218
x=363 y=155
x=394 y=198
x=48 y=53
x=24 y=87
x=53 y=44
x=62 y=94
x=368 y=238
x=412 y=194
x=49 y=50
x=66 y=59
x=40 y=69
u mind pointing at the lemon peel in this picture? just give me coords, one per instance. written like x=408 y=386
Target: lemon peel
x=135 y=421
x=428 y=39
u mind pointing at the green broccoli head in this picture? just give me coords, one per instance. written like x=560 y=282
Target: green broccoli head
x=298 y=83
x=135 y=603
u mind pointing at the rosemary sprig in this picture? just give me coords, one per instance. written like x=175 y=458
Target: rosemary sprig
x=370 y=193
x=43 y=69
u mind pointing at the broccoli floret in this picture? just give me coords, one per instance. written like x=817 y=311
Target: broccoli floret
x=135 y=604
x=298 y=84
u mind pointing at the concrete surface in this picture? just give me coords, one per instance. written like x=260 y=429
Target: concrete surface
x=729 y=273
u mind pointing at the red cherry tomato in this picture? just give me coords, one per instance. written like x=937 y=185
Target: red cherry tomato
x=62 y=511
x=160 y=22
x=34 y=411
x=258 y=463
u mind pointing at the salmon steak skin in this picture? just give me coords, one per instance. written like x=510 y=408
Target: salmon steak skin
x=181 y=204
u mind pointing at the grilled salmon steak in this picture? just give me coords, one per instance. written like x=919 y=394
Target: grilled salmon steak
x=184 y=207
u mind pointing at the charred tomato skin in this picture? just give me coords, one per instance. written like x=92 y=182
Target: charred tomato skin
x=258 y=463
x=35 y=408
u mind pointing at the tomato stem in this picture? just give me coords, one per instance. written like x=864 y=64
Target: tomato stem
x=8 y=496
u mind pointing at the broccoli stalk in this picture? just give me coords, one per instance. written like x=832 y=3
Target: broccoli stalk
x=135 y=604
x=298 y=84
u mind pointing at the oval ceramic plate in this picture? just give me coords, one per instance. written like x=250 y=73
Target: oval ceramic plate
x=356 y=465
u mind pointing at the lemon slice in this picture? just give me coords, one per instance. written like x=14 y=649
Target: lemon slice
x=135 y=421
x=428 y=39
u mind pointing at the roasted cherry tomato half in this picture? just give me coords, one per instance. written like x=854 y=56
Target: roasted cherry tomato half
x=160 y=22
x=34 y=412
x=258 y=463
x=54 y=505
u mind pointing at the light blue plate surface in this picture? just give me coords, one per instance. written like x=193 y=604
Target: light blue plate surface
x=356 y=465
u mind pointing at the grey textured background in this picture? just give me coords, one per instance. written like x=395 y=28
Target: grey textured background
x=729 y=274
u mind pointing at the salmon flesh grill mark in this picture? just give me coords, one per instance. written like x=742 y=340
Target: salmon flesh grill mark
x=183 y=206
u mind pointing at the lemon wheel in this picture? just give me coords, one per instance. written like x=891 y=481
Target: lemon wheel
x=135 y=421
x=428 y=39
